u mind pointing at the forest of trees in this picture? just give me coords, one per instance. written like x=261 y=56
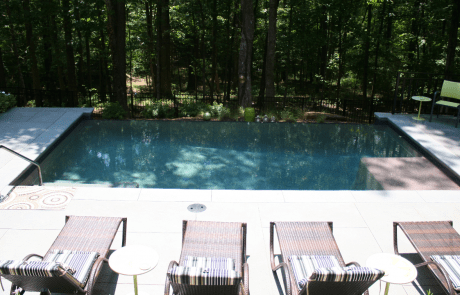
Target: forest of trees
x=249 y=48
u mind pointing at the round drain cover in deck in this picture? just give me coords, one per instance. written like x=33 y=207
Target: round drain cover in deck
x=196 y=208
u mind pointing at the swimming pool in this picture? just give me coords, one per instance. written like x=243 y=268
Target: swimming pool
x=219 y=155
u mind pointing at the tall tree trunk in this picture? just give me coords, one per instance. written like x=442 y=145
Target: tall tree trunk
x=323 y=32
x=165 y=48
x=271 y=46
x=21 y=100
x=288 y=59
x=88 y=61
x=374 y=80
x=159 y=53
x=244 y=59
x=31 y=52
x=79 y=49
x=203 y=49
x=262 y=87
x=47 y=29
x=452 y=43
x=340 y=72
x=56 y=46
x=71 y=79
x=230 y=43
x=2 y=71
x=214 y=76
x=116 y=28
x=104 y=79
x=413 y=43
x=366 y=51
x=150 y=46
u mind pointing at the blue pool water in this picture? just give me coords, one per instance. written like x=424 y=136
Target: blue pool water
x=219 y=155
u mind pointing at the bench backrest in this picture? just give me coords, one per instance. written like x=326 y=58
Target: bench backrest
x=450 y=89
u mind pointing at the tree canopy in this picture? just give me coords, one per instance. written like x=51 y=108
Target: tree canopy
x=346 y=47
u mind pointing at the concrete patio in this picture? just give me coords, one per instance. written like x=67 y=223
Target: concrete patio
x=362 y=219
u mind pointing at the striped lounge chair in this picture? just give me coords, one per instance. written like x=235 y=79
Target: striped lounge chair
x=212 y=261
x=438 y=244
x=312 y=261
x=72 y=263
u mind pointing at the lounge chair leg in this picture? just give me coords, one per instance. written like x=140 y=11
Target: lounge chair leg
x=15 y=290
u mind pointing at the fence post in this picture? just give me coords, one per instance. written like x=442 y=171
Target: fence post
x=396 y=93
x=132 y=103
x=371 y=110
x=344 y=112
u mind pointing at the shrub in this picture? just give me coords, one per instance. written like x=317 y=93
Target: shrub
x=113 y=110
x=320 y=118
x=7 y=101
x=249 y=114
x=190 y=108
x=218 y=110
x=288 y=116
x=159 y=110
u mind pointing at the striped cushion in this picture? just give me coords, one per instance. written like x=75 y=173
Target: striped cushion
x=328 y=269
x=205 y=271
x=203 y=276
x=209 y=262
x=304 y=266
x=81 y=262
x=451 y=264
x=346 y=274
x=33 y=268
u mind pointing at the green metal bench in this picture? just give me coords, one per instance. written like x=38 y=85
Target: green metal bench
x=449 y=90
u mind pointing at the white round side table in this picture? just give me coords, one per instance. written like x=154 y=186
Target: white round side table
x=398 y=270
x=421 y=99
x=133 y=260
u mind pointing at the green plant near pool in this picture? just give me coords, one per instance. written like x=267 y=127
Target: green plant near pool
x=7 y=101
x=113 y=110
x=159 y=110
x=249 y=114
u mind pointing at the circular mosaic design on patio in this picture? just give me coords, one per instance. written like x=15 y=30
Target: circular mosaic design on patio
x=38 y=197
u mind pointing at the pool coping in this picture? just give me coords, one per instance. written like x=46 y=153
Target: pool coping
x=427 y=136
x=32 y=132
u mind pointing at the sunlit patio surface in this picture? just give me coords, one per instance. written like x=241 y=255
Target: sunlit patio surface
x=362 y=219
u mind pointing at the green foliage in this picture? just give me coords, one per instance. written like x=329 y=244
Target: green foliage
x=190 y=108
x=288 y=115
x=219 y=111
x=249 y=114
x=7 y=101
x=321 y=118
x=160 y=110
x=429 y=292
x=113 y=110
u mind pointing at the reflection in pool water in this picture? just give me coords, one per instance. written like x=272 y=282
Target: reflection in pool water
x=219 y=155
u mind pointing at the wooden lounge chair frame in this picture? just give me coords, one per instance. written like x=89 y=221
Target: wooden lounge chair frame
x=213 y=239
x=431 y=238
x=310 y=238
x=80 y=233
x=449 y=90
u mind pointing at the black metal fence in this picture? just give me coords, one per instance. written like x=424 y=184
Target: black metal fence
x=351 y=110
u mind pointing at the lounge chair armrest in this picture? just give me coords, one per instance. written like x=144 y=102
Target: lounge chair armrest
x=245 y=280
x=287 y=276
x=353 y=263
x=32 y=255
x=94 y=272
x=168 y=281
x=444 y=273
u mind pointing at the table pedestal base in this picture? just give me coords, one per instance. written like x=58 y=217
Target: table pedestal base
x=387 y=288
